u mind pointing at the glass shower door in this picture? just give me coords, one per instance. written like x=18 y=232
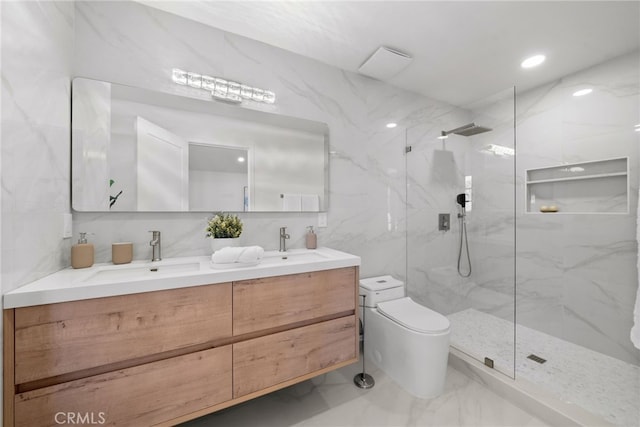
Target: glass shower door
x=461 y=225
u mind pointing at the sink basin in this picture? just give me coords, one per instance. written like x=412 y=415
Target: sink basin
x=293 y=256
x=146 y=270
x=137 y=271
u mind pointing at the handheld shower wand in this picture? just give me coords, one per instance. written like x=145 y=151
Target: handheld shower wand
x=461 y=199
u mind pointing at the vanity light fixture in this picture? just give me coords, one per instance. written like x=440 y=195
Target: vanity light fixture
x=573 y=169
x=222 y=89
x=583 y=92
x=179 y=76
x=533 y=61
x=194 y=80
x=500 y=150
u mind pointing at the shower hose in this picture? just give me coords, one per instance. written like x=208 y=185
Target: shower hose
x=463 y=233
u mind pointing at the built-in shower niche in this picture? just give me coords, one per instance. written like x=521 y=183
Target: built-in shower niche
x=600 y=186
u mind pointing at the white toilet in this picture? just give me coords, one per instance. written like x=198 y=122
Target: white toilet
x=408 y=341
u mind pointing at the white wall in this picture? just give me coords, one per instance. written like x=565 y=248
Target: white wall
x=37 y=45
x=367 y=180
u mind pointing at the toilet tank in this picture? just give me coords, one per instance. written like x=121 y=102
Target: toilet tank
x=379 y=289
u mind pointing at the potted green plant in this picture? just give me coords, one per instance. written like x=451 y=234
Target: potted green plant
x=224 y=230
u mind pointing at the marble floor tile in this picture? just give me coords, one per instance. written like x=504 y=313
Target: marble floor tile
x=603 y=385
x=331 y=400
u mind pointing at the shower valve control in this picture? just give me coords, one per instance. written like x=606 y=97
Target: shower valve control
x=443 y=222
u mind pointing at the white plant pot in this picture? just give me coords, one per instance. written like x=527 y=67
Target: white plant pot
x=219 y=243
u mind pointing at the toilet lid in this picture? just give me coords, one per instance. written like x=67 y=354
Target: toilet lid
x=414 y=316
x=380 y=283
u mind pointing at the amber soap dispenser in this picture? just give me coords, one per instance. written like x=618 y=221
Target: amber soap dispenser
x=82 y=253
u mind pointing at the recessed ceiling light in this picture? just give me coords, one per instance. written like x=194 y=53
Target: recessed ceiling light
x=533 y=61
x=583 y=92
x=240 y=159
x=391 y=125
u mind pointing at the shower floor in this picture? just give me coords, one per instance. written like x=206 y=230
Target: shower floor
x=601 y=384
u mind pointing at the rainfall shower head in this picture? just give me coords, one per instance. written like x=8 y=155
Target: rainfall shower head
x=472 y=130
x=467 y=130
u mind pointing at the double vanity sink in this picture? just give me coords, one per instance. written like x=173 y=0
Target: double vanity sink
x=106 y=279
x=179 y=266
x=161 y=343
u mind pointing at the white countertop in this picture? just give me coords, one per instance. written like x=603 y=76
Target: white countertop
x=105 y=280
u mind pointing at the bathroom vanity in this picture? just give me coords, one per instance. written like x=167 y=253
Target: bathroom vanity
x=162 y=343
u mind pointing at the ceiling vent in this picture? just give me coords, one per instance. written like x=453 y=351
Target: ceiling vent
x=385 y=63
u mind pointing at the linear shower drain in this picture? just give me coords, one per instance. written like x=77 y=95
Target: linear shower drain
x=536 y=358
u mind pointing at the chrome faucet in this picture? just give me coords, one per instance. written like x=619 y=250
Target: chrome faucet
x=155 y=244
x=283 y=239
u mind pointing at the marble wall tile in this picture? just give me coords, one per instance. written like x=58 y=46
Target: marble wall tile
x=595 y=274
x=435 y=175
x=37 y=43
x=129 y=43
x=576 y=273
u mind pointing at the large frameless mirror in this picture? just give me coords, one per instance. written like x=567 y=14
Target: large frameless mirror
x=136 y=150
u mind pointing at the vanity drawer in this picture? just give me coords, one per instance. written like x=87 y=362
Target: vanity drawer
x=140 y=396
x=272 y=302
x=57 y=339
x=266 y=361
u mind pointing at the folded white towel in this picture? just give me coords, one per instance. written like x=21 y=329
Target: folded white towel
x=310 y=203
x=291 y=202
x=244 y=255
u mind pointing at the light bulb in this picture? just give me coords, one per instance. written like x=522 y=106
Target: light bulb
x=194 y=80
x=179 y=76
x=583 y=92
x=533 y=61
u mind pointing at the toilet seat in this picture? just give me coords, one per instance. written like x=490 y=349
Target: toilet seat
x=414 y=316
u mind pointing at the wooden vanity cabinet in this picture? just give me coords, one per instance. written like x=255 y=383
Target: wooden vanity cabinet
x=273 y=302
x=165 y=357
x=142 y=395
x=57 y=339
x=263 y=362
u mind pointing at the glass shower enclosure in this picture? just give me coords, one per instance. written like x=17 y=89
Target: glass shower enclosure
x=461 y=259
x=538 y=274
